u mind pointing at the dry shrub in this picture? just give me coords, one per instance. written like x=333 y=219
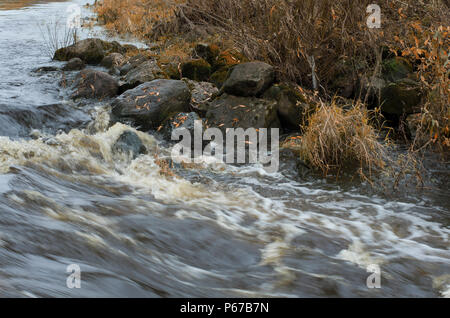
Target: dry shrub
x=429 y=46
x=336 y=138
x=136 y=17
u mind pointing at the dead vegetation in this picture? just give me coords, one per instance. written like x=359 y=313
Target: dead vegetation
x=311 y=43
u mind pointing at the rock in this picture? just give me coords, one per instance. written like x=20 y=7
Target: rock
x=35 y=134
x=396 y=68
x=145 y=72
x=179 y=121
x=130 y=144
x=113 y=60
x=94 y=84
x=249 y=79
x=149 y=104
x=197 y=70
x=401 y=97
x=201 y=92
x=208 y=52
x=74 y=64
x=91 y=51
x=228 y=111
x=132 y=63
x=220 y=76
x=292 y=106
x=45 y=69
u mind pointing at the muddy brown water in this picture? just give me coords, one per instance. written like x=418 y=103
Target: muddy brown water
x=216 y=230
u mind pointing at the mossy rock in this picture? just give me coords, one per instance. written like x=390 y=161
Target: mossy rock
x=197 y=70
x=171 y=70
x=401 y=97
x=228 y=58
x=208 y=52
x=292 y=106
x=220 y=76
x=396 y=68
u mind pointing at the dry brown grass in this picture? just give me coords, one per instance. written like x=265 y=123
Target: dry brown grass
x=136 y=17
x=335 y=139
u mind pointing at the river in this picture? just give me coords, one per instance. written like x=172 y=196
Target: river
x=214 y=231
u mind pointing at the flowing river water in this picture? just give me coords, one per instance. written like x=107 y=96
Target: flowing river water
x=216 y=230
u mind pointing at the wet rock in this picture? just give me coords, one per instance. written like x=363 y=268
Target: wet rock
x=35 y=134
x=91 y=51
x=149 y=104
x=401 y=97
x=228 y=111
x=45 y=69
x=94 y=84
x=197 y=70
x=249 y=79
x=145 y=72
x=292 y=106
x=130 y=144
x=179 y=121
x=74 y=64
x=201 y=92
x=113 y=60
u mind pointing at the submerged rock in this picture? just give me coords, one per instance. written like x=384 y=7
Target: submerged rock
x=74 y=64
x=249 y=79
x=149 y=104
x=94 y=84
x=130 y=144
x=45 y=69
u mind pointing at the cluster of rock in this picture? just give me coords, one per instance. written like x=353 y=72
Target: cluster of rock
x=223 y=88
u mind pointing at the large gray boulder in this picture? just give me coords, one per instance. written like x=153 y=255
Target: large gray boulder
x=249 y=79
x=94 y=84
x=229 y=111
x=149 y=104
x=91 y=51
